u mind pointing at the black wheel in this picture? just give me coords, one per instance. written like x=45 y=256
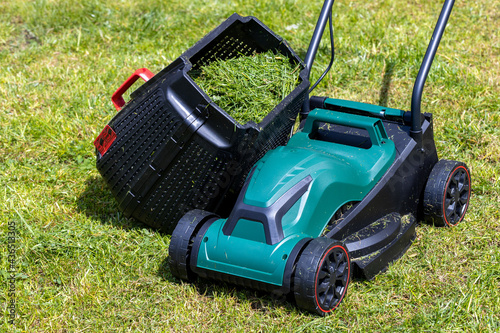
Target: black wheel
x=322 y=275
x=447 y=193
x=181 y=243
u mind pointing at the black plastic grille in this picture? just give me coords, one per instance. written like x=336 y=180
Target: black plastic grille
x=147 y=128
x=179 y=191
x=228 y=47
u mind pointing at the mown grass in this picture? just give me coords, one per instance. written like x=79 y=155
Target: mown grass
x=81 y=266
x=248 y=87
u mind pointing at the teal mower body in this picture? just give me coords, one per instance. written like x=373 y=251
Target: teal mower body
x=292 y=194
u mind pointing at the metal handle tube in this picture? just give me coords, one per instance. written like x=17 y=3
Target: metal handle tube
x=317 y=35
x=416 y=98
x=314 y=45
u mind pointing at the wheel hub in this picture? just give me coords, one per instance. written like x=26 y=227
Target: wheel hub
x=332 y=279
x=457 y=196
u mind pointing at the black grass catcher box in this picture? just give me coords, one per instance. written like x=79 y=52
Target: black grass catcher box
x=172 y=149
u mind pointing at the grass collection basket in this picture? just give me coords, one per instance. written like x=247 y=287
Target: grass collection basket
x=172 y=149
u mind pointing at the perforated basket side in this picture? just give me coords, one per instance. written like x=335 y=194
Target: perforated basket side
x=234 y=37
x=192 y=181
x=277 y=126
x=141 y=133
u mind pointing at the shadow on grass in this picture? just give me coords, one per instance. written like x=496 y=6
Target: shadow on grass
x=386 y=83
x=97 y=202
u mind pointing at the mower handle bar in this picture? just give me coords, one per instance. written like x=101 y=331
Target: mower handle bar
x=416 y=99
x=313 y=48
x=317 y=35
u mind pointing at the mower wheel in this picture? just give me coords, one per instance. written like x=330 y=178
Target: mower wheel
x=182 y=241
x=447 y=193
x=322 y=275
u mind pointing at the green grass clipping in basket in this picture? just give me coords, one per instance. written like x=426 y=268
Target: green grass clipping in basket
x=248 y=87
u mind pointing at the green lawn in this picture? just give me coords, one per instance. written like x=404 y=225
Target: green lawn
x=82 y=267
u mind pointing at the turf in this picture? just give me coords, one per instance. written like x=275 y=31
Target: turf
x=248 y=87
x=80 y=266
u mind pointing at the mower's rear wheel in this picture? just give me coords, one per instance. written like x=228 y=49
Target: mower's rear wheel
x=447 y=193
x=322 y=275
x=182 y=242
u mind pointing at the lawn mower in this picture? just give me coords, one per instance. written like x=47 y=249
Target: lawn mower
x=341 y=199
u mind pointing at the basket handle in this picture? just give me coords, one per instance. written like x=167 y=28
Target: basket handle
x=117 y=97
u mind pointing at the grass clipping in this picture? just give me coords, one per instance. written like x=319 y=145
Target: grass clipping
x=248 y=87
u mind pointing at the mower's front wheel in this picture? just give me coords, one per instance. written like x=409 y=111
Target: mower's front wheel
x=447 y=193
x=181 y=243
x=322 y=275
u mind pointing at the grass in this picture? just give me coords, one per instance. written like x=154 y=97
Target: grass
x=82 y=267
x=248 y=87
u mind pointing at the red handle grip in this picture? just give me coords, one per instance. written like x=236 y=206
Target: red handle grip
x=117 y=97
